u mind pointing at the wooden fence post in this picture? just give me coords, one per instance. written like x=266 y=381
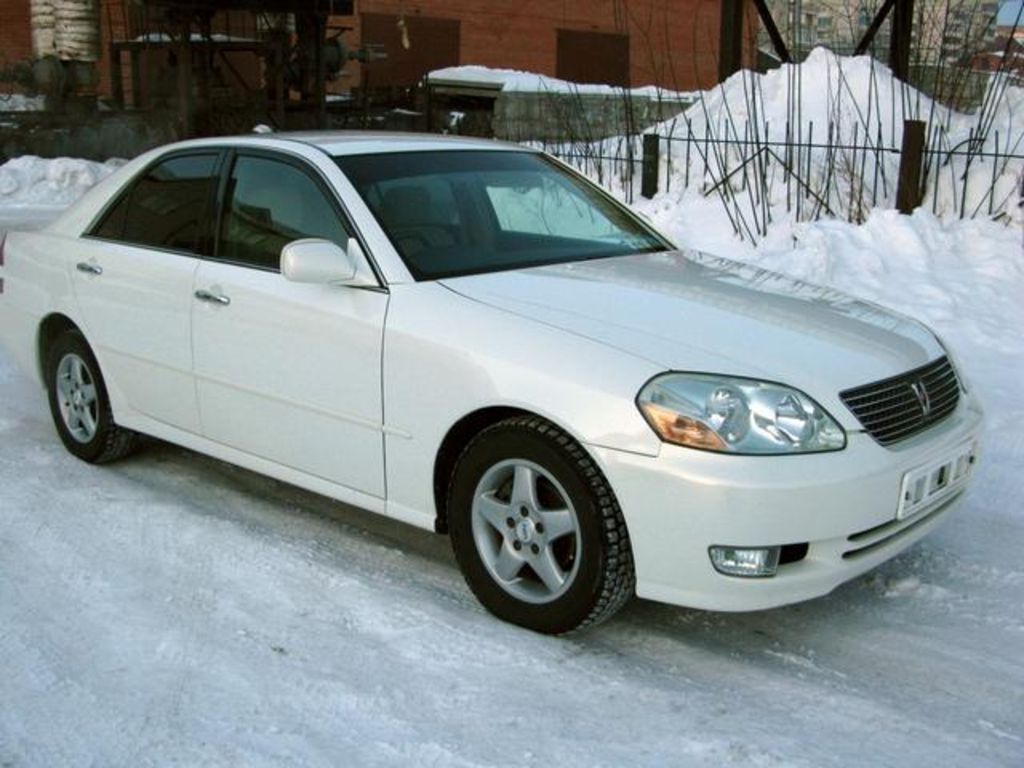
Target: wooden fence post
x=651 y=163
x=908 y=188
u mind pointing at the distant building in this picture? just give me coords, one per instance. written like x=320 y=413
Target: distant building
x=1008 y=30
x=1006 y=54
x=943 y=29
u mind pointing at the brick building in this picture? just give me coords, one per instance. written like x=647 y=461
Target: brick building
x=672 y=43
x=15 y=32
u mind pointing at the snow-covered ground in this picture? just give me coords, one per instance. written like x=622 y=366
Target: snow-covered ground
x=173 y=610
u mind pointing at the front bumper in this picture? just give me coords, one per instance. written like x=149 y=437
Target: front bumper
x=842 y=504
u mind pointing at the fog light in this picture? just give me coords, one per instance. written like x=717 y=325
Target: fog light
x=745 y=561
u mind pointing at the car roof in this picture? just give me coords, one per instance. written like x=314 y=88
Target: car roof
x=362 y=142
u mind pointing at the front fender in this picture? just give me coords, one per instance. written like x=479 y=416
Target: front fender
x=446 y=356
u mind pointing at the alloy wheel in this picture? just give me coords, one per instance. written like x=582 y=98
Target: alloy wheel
x=526 y=531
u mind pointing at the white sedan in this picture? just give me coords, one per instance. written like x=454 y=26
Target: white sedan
x=469 y=337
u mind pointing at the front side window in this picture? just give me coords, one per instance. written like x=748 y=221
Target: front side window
x=464 y=212
x=166 y=207
x=269 y=203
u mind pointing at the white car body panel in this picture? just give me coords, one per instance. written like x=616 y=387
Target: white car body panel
x=36 y=284
x=136 y=316
x=350 y=392
x=715 y=316
x=447 y=356
x=291 y=373
x=683 y=501
x=136 y=421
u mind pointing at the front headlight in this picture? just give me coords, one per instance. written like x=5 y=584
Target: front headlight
x=733 y=415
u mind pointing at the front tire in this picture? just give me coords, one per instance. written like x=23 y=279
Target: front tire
x=536 y=529
x=79 y=404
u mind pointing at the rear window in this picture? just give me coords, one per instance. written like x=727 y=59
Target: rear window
x=166 y=207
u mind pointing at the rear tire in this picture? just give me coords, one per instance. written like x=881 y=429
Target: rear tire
x=79 y=403
x=536 y=529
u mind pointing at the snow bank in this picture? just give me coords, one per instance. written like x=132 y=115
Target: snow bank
x=846 y=91
x=830 y=105
x=18 y=102
x=36 y=181
x=858 y=96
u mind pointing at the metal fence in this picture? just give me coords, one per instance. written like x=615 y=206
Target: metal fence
x=808 y=174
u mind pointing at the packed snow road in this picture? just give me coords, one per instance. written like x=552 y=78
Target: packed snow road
x=173 y=610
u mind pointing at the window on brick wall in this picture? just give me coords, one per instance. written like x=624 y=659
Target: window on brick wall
x=593 y=57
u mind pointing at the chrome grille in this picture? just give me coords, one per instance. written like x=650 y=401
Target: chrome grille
x=896 y=408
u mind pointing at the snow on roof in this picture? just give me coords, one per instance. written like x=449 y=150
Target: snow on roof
x=512 y=80
x=195 y=37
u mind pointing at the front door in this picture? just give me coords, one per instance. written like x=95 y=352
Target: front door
x=285 y=371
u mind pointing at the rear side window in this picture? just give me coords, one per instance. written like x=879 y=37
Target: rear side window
x=270 y=203
x=165 y=208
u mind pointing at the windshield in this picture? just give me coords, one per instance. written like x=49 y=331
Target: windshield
x=464 y=212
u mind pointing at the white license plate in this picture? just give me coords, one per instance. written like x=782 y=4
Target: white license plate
x=928 y=485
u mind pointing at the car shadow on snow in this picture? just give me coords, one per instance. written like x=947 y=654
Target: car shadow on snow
x=273 y=506
x=283 y=510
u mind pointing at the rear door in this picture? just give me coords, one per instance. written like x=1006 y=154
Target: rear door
x=287 y=372
x=133 y=277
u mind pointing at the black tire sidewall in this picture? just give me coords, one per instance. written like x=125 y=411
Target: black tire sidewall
x=71 y=342
x=499 y=444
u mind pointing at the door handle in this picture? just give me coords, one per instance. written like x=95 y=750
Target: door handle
x=213 y=298
x=89 y=269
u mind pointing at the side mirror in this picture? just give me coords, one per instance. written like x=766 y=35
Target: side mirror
x=313 y=260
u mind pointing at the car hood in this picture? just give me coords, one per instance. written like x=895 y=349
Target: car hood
x=695 y=312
